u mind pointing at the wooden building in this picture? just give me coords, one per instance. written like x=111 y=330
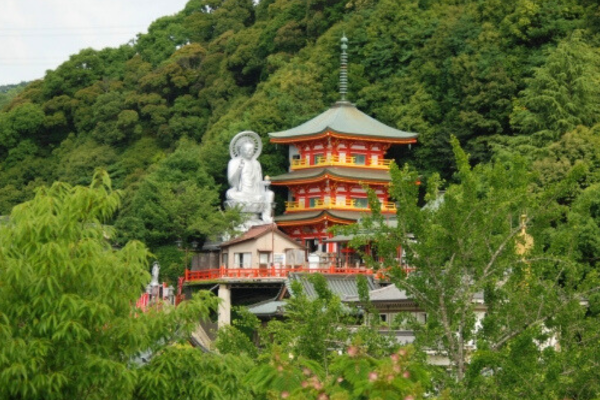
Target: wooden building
x=263 y=246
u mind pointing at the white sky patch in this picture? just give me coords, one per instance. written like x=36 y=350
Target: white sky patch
x=39 y=35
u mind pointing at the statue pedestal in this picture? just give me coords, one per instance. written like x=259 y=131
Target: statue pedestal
x=252 y=219
x=247 y=207
x=256 y=213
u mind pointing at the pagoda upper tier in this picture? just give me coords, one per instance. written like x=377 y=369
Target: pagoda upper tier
x=344 y=120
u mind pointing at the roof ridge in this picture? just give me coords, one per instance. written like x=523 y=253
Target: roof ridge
x=260 y=303
x=386 y=287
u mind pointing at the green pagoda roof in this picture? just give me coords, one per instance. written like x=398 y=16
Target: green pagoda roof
x=350 y=216
x=344 y=118
x=356 y=174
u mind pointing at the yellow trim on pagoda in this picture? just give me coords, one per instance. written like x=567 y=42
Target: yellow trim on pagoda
x=338 y=161
x=334 y=204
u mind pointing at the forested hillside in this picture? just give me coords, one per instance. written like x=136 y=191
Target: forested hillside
x=158 y=114
x=513 y=83
x=8 y=92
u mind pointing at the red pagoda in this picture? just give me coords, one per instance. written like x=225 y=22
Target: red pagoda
x=332 y=157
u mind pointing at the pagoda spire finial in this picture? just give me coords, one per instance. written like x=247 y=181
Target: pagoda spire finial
x=344 y=69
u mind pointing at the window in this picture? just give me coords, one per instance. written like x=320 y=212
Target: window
x=317 y=158
x=312 y=245
x=359 y=159
x=312 y=202
x=263 y=259
x=242 y=260
x=225 y=259
x=361 y=203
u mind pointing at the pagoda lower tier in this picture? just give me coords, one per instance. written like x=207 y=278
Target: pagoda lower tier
x=312 y=227
x=320 y=198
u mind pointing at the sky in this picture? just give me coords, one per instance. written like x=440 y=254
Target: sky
x=38 y=35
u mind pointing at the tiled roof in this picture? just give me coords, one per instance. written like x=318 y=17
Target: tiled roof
x=386 y=293
x=267 y=308
x=298 y=216
x=392 y=293
x=343 y=117
x=251 y=233
x=211 y=245
x=255 y=232
x=340 y=285
x=341 y=172
x=350 y=216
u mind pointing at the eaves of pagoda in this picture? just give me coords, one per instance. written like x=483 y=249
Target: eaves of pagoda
x=344 y=121
x=313 y=217
x=334 y=174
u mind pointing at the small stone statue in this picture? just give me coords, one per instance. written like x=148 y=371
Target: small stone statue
x=155 y=270
x=249 y=191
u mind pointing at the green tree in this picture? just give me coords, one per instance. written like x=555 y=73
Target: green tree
x=163 y=37
x=177 y=200
x=68 y=323
x=314 y=329
x=562 y=94
x=185 y=372
x=23 y=122
x=113 y=122
x=9 y=92
x=466 y=244
x=80 y=157
x=352 y=375
x=306 y=319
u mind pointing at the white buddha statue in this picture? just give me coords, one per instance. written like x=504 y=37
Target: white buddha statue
x=248 y=190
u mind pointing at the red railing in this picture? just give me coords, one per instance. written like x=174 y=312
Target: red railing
x=270 y=272
x=142 y=302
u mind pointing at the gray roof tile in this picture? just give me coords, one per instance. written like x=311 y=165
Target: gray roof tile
x=344 y=117
x=340 y=285
x=386 y=293
x=267 y=308
x=342 y=172
x=306 y=215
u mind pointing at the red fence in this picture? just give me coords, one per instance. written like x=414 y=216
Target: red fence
x=271 y=272
x=142 y=302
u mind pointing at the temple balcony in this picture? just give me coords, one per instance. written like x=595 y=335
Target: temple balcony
x=276 y=273
x=339 y=161
x=273 y=272
x=328 y=204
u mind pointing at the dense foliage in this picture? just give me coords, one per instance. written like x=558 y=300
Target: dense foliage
x=515 y=81
x=485 y=72
x=67 y=322
x=70 y=329
x=499 y=237
x=8 y=92
x=321 y=350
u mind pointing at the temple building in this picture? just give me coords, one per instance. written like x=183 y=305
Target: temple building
x=332 y=158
